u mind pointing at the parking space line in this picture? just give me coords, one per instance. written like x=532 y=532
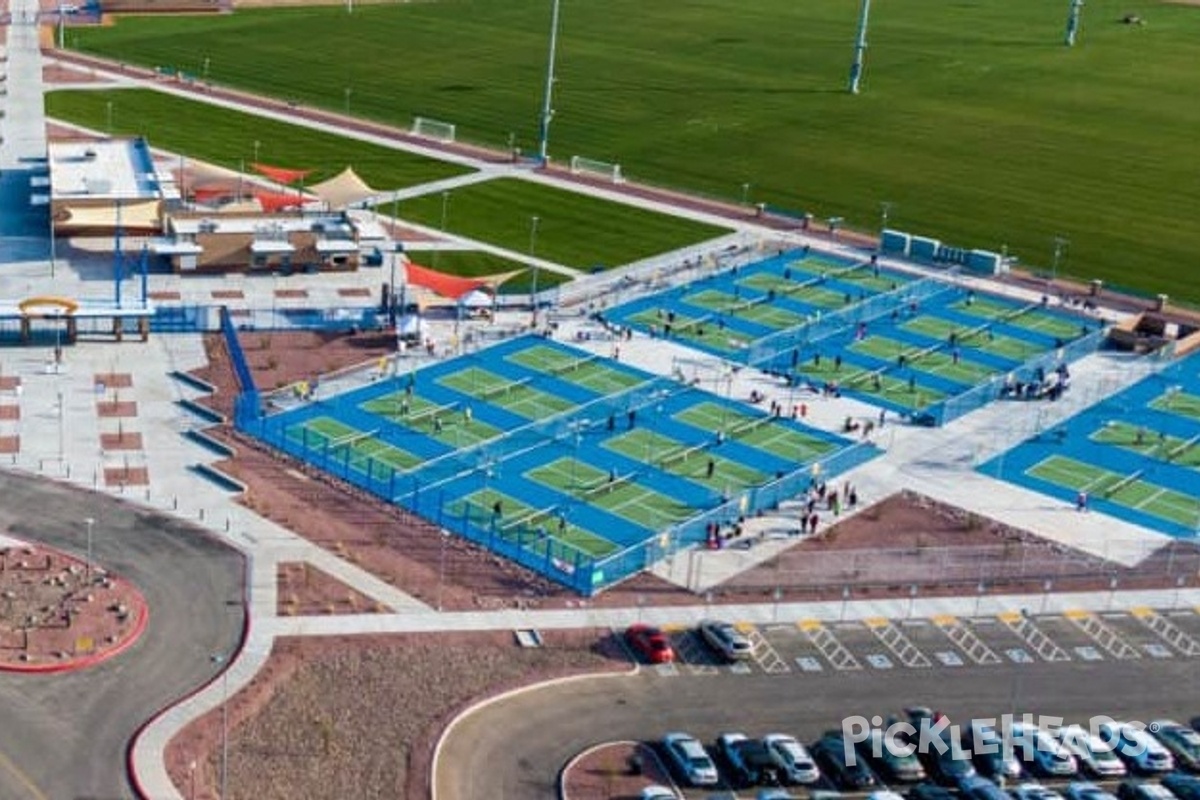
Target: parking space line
x=1042 y=644
x=692 y=653
x=765 y=654
x=1105 y=636
x=895 y=640
x=1168 y=631
x=834 y=651
x=966 y=640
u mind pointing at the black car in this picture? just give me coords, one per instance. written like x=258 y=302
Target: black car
x=950 y=768
x=750 y=762
x=1182 y=741
x=930 y=791
x=841 y=764
x=1185 y=787
x=1137 y=790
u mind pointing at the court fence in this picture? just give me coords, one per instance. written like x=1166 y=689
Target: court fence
x=977 y=397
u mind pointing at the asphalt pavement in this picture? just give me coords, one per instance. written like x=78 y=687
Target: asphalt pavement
x=65 y=736
x=514 y=749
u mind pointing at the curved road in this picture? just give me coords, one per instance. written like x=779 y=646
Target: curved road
x=64 y=737
x=515 y=748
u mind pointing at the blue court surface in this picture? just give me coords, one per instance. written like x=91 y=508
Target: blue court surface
x=922 y=347
x=582 y=468
x=1135 y=454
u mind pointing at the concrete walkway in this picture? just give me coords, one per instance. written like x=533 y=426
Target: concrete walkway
x=24 y=227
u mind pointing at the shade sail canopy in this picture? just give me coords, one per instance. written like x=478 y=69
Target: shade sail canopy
x=449 y=286
x=281 y=174
x=343 y=190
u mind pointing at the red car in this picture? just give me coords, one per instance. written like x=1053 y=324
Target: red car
x=650 y=643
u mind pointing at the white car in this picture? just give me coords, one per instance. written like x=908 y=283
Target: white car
x=1082 y=790
x=1094 y=755
x=656 y=792
x=690 y=759
x=1140 y=751
x=726 y=640
x=1041 y=751
x=793 y=758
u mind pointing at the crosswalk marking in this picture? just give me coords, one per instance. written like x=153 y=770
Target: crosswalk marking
x=765 y=653
x=900 y=645
x=1042 y=644
x=829 y=646
x=1171 y=633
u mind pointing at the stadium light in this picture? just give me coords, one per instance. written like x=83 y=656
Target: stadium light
x=1061 y=243
x=860 y=47
x=548 y=97
x=533 y=231
x=885 y=209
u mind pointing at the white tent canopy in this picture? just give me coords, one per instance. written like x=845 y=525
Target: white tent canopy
x=343 y=190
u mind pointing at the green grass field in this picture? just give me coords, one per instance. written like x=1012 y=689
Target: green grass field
x=225 y=137
x=573 y=229
x=975 y=121
x=478 y=264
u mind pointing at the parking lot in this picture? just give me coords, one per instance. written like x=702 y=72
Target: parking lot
x=945 y=643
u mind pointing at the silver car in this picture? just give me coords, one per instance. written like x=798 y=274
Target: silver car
x=691 y=759
x=793 y=758
x=1095 y=756
x=726 y=639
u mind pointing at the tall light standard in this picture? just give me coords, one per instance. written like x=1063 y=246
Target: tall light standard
x=88 y=564
x=223 y=662
x=548 y=97
x=207 y=61
x=745 y=194
x=108 y=106
x=257 y=144
x=445 y=535
x=445 y=214
x=1061 y=244
x=533 y=231
x=860 y=47
x=885 y=210
x=347 y=94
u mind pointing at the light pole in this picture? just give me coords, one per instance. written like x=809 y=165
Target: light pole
x=1061 y=243
x=347 y=93
x=885 y=209
x=445 y=215
x=548 y=97
x=257 y=144
x=88 y=564
x=108 y=106
x=533 y=303
x=745 y=194
x=445 y=534
x=222 y=661
x=207 y=60
x=860 y=47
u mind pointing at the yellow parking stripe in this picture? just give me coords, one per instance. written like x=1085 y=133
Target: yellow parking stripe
x=1076 y=614
x=876 y=622
x=807 y=625
x=944 y=620
x=1142 y=612
x=1010 y=617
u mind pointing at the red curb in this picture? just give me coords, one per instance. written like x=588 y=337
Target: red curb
x=87 y=661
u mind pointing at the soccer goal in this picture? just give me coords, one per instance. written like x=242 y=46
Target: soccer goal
x=590 y=166
x=434 y=129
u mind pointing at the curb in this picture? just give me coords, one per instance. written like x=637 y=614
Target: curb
x=487 y=701
x=562 y=775
x=87 y=661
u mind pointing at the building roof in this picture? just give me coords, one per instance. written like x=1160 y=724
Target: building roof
x=111 y=169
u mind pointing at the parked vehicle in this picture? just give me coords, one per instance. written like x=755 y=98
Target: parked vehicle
x=1183 y=786
x=690 y=760
x=1137 y=790
x=750 y=762
x=976 y=787
x=1082 y=790
x=795 y=762
x=728 y=641
x=1140 y=751
x=1181 y=741
x=950 y=768
x=990 y=755
x=1094 y=756
x=650 y=643
x=656 y=792
x=1042 y=753
x=1034 y=791
x=831 y=756
x=930 y=791
x=889 y=760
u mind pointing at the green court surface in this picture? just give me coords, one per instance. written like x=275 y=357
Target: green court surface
x=913 y=396
x=693 y=329
x=1148 y=442
x=1030 y=318
x=520 y=523
x=821 y=296
x=590 y=372
x=515 y=396
x=1126 y=490
x=1178 y=402
x=934 y=362
x=362 y=449
x=448 y=424
x=677 y=458
x=621 y=496
x=763 y=433
x=755 y=309
x=975 y=337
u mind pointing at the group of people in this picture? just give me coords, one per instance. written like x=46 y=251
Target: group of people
x=1041 y=386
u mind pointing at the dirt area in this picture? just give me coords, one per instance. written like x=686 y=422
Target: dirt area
x=10 y=444
x=10 y=411
x=304 y=590
x=358 y=716
x=9 y=383
x=54 y=610
x=865 y=551
x=126 y=476
x=114 y=380
x=122 y=440
x=59 y=73
x=116 y=408
x=617 y=771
